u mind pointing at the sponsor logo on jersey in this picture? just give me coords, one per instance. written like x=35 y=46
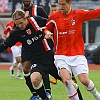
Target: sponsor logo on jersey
x=28 y=31
x=68 y=32
x=33 y=39
x=73 y=22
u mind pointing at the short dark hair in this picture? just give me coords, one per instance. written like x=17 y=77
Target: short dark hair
x=54 y=5
x=68 y=0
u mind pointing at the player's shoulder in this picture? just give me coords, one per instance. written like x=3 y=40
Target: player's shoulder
x=16 y=30
x=36 y=6
x=78 y=11
x=55 y=14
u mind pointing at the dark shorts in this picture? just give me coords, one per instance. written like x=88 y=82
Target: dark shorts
x=44 y=69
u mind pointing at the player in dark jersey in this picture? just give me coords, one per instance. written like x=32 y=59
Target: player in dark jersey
x=34 y=10
x=27 y=31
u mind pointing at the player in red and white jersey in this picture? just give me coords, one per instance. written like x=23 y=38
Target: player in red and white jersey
x=54 y=8
x=16 y=50
x=69 y=45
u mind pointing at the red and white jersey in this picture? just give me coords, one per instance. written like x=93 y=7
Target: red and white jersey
x=68 y=38
x=9 y=27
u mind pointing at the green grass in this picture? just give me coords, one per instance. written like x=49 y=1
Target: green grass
x=15 y=89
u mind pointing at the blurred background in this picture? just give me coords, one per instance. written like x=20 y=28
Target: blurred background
x=91 y=29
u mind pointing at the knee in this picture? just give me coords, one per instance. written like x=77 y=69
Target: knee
x=85 y=81
x=35 y=79
x=65 y=80
x=65 y=75
x=35 y=82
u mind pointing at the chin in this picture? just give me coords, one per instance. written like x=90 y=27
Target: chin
x=22 y=28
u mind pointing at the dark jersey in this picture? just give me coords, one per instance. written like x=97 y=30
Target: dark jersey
x=35 y=10
x=32 y=39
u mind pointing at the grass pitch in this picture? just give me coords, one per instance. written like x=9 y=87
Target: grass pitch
x=15 y=89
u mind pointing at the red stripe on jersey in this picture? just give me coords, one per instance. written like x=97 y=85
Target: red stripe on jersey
x=34 y=24
x=46 y=46
x=34 y=10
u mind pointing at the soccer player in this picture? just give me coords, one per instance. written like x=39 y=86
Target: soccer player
x=16 y=50
x=69 y=45
x=34 y=10
x=27 y=31
x=54 y=8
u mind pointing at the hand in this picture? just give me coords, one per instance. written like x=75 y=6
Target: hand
x=48 y=35
x=42 y=28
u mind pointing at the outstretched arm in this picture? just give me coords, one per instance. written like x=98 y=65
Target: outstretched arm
x=10 y=41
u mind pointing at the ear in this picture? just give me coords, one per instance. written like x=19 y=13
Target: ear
x=70 y=2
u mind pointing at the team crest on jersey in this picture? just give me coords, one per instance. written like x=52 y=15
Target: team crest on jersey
x=28 y=31
x=73 y=22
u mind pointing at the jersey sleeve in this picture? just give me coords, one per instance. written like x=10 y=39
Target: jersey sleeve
x=10 y=41
x=41 y=12
x=85 y=15
x=6 y=31
x=8 y=28
x=50 y=23
x=41 y=21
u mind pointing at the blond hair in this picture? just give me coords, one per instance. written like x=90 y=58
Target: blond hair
x=18 y=14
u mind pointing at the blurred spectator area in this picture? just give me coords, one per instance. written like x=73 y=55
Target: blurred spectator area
x=85 y=4
x=76 y=4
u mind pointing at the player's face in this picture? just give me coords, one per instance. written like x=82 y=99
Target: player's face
x=26 y=2
x=53 y=9
x=64 y=6
x=21 y=23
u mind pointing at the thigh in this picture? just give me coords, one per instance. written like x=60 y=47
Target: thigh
x=26 y=64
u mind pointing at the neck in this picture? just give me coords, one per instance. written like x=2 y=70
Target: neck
x=69 y=10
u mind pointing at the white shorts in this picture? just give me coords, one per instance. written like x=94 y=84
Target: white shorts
x=76 y=64
x=16 y=50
